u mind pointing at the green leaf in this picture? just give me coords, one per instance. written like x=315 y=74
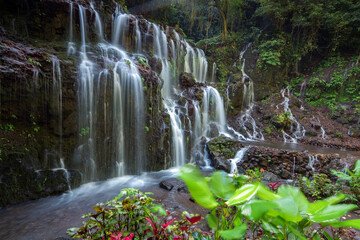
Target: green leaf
x=243 y=194
x=212 y=220
x=302 y=204
x=332 y=212
x=197 y=186
x=221 y=185
x=236 y=233
x=265 y=194
x=357 y=167
x=328 y=237
x=255 y=210
x=355 y=223
x=270 y=227
x=286 y=209
x=341 y=175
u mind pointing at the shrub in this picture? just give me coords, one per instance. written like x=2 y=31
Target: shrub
x=285 y=215
x=133 y=214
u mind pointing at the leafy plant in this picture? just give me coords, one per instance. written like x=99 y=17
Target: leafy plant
x=133 y=214
x=36 y=63
x=9 y=127
x=84 y=132
x=285 y=215
x=352 y=177
x=142 y=61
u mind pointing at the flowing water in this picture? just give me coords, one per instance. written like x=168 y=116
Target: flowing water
x=49 y=218
x=111 y=118
x=246 y=121
x=297 y=131
x=237 y=160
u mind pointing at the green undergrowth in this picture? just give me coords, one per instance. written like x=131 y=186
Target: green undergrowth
x=240 y=206
x=335 y=81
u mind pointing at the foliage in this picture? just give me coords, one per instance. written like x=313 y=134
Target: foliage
x=352 y=177
x=270 y=52
x=36 y=63
x=336 y=80
x=285 y=215
x=321 y=186
x=133 y=214
x=282 y=121
x=142 y=61
x=84 y=132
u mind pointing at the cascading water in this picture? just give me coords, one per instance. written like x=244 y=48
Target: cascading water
x=111 y=105
x=71 y=45
x=246 y=120
x=299 y=131
x=57 y=97
x=312 y=161
x=111 y=96
x=213 y=111
x=237 y=159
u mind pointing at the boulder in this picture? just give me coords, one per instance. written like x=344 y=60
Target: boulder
x=187 y=80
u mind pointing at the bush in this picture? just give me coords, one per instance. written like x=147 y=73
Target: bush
x=285 y=215
x=133 y=214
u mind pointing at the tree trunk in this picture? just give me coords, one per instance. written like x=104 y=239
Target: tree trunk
x=224 y=32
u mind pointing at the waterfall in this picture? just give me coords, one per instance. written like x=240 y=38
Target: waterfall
x=178 y=141
x=138 y=42
x=71 y=45
x=299 y=131
x=248 y=103
x=98 y=22
x=111 y=116
x=237 y=160
x=57 y=97
x=111 y=96
x=312 y=161
x=213 y=110
x=121 y=29
x=213 y=74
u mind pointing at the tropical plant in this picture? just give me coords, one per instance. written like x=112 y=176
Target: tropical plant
x=285 y=215
x=133 y=214
x=352 y=177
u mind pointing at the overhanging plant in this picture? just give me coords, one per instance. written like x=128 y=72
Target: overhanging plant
x=254 y=208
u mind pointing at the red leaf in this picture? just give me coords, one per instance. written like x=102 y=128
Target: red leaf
x=194 y=219
x=116 y=237
x=167 y=224
x=184 y=228
x=152 y=225
x=131 y=236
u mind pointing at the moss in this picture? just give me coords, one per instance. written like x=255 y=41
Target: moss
x=267 y=130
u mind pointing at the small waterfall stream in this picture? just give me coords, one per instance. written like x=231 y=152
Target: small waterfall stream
x=237 y=159
x=299 y=131
x=246 y=120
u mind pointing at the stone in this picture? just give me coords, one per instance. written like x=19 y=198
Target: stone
x=186 y=80
x=166 y=185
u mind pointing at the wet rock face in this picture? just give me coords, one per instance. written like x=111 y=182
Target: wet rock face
x=21 y=181
x=284 y=164
x=221 y=149
x=187 y=80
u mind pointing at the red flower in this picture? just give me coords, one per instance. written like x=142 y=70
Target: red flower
x=261 y=170
x=194 y=219
x=274 y=186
